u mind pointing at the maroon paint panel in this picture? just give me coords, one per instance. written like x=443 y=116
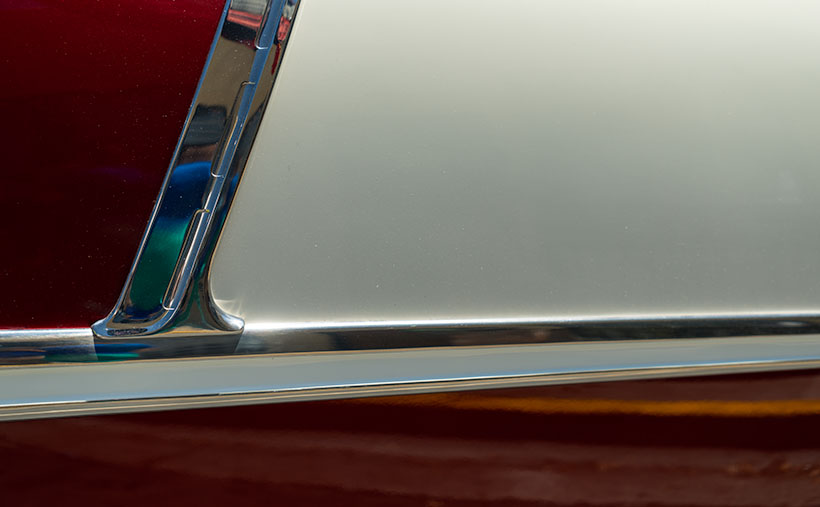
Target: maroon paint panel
x=93 y=96
x=748 y=440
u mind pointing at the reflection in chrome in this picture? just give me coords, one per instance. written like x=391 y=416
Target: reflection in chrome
x=38 y=346
x=262 y=338
x=167 y=292
x=635 y=332
x=41 y=376
x=117 y=386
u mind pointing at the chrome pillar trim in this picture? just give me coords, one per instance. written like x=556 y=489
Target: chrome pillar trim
x=80 y=389
x=167 y=292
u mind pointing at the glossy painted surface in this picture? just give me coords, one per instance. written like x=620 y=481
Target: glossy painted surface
x=537 y=159
x=740 y=441
x=93 y=95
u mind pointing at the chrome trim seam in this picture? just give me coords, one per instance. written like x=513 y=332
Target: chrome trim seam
x=81 y=389
x=167 y=292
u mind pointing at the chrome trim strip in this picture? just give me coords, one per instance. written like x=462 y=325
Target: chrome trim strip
x=167 y=292
x=333 y=337
x=39 y=346
x=264 y=338
x=54 y=391
x=289 y=337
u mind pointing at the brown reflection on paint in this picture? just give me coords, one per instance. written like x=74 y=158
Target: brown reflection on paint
x=535 y=405
x=742 y=441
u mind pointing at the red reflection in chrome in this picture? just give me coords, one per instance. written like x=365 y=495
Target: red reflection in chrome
x=246 y=19
x=94 y=96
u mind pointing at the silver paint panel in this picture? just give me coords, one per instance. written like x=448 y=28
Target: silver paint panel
x=545 y=160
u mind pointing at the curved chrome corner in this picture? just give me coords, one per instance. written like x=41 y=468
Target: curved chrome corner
x=167 y=292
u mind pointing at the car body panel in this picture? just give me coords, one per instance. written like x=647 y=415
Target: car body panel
x=441 y=198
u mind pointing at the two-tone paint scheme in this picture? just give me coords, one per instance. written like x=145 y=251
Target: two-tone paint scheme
x=372 y=198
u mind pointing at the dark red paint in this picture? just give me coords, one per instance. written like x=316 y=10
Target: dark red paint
x=93 y=96
x=422 y=451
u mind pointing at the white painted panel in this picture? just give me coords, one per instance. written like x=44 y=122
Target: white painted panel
x=539 y=158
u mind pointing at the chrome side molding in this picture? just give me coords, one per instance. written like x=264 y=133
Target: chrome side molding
x=126 y=386
x=52 y=373
x=167 y=292
x=37 y=346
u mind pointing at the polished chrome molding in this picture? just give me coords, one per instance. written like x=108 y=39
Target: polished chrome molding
x=125 y=386
x=289 y=337
x=336 y=337
x=266 y=338
x=288 y=362
x=167 y=292
x=48 y=346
